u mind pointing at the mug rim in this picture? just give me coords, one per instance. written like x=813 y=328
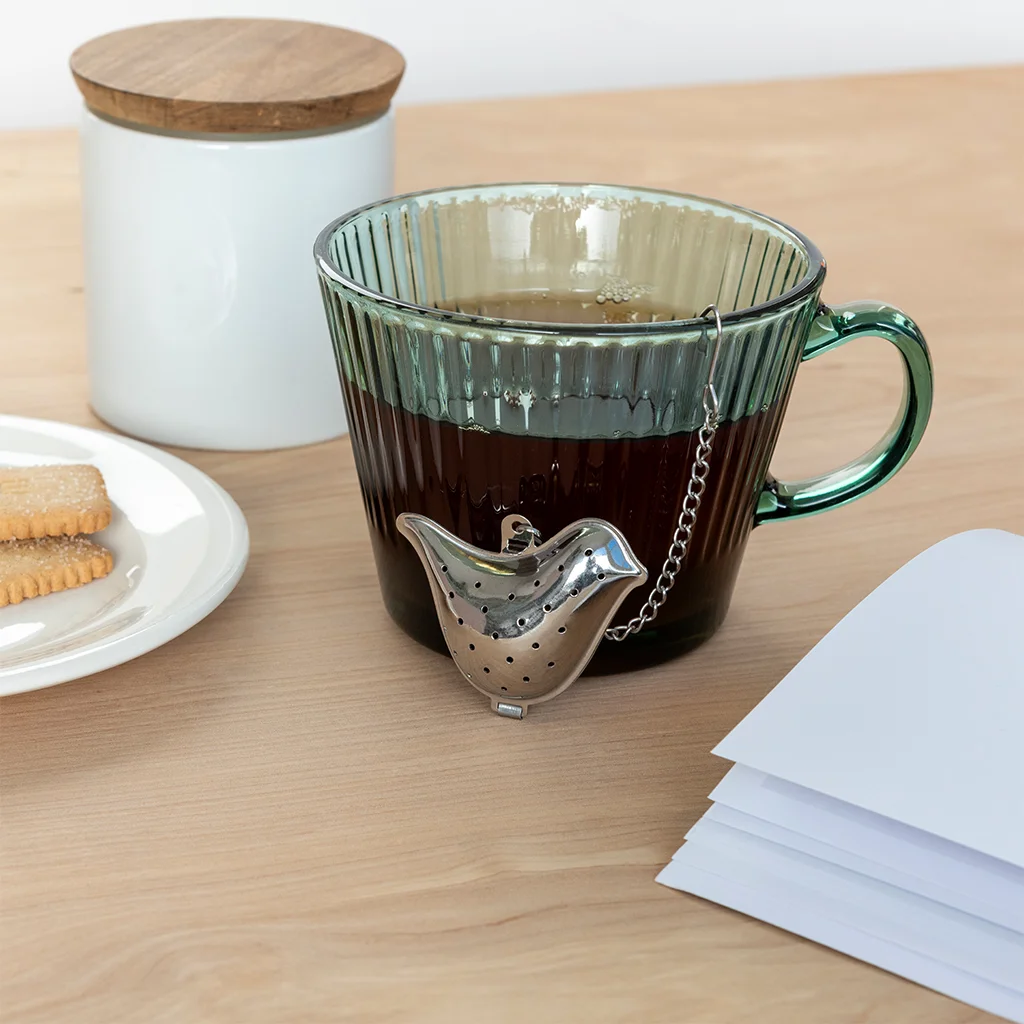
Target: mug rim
x=807 y=284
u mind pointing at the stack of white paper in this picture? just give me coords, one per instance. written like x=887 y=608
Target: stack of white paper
x=877 y=800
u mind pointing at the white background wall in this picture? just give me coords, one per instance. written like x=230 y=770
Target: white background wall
x=483 y=48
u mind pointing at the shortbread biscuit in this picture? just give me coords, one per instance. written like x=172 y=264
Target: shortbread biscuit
x=48 y=501
x=34 y=568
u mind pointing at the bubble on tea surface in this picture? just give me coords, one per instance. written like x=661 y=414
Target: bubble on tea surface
x=620 y=293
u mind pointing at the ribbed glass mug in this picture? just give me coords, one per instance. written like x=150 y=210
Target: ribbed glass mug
x=469 y=398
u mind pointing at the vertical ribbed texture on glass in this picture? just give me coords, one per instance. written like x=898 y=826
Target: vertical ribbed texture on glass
x=440 y=248
x=467 y=420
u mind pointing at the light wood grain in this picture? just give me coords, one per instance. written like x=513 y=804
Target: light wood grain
x=227 y=75
x=294 y=814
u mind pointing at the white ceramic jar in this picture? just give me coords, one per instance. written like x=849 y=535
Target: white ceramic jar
x=205 y=323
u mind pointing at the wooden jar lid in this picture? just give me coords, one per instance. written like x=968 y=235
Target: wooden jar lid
x=224 y=75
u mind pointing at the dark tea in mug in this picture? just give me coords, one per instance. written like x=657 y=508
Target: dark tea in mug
x=536 y=349
x=467 y=481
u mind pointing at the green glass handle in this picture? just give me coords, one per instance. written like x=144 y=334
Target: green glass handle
x=831 y=328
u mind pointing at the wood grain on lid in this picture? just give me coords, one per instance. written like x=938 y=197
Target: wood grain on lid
x=237 y=75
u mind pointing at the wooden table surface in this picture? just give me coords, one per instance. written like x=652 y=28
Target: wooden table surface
x=294 y=814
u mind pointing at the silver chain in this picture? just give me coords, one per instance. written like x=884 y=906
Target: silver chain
x=691 y=503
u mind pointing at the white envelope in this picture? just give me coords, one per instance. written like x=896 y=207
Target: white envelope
x=847 y=914
x=870 y=844
x=940 y=932
x=912 y=707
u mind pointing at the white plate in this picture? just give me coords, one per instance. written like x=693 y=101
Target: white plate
x=180 y=545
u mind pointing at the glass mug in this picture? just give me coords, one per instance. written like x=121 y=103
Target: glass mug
x=537 y=349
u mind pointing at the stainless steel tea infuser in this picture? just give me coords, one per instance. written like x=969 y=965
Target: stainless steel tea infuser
x=522 y=624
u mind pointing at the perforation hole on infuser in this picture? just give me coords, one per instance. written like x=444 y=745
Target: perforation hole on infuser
x=588 y=552
x=451 y=593
x=521 y=622
x=444 y=568
x=477 y=584
x=600 y=575
x=494 y=636
x=484 y=609
x=547 y=607
x=460 y=622
x=574 y=592
x=536 y=583
x=511 y=597
x=536 y=646
x=561 y=629
x=561 y=568
x=551 y=664
x=526 y=679
x=472 y=647
x=510 y=659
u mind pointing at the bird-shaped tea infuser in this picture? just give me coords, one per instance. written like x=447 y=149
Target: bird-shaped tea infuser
x=522 y=624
